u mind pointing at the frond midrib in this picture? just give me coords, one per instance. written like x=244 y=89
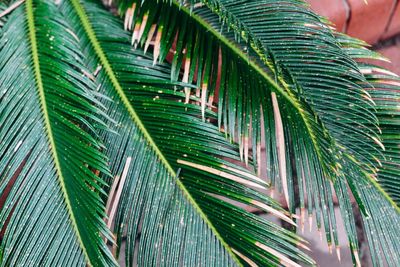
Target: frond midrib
x=236 y=51
x=47 y=124
x=287 y=95
x=135 y=117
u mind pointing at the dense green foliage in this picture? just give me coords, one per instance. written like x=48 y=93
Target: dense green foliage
x=104 y=144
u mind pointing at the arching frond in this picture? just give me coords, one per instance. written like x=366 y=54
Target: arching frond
x=385 y=91
x=265 y=48
x=171 y=184
x=383 y=223
x=71 y=80
x=52 y=211
x=201 y=51
x=284 y=73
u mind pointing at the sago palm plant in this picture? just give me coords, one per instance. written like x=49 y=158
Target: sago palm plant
x=148 y=135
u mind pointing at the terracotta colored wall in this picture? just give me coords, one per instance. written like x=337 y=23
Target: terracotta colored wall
x=377 y=20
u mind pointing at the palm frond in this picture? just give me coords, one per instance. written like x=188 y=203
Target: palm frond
x=176 y=188
x=245 y=94
x=327 y=119
x=171 y=184
x=383 y=224
x=266 y=43
x=53 y=213
x=385 y=91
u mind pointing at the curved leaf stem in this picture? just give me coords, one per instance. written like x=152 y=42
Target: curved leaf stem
x=42 y=96
x=287 y=95
x=275 y=87
x=111 y=75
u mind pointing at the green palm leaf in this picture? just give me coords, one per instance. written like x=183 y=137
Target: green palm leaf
x=266 y=45
x=250 y=95
x=326 y=114
x=53 y=212
x=381 y=228
x=384 y=90
x=171 y=183
x=176 y=187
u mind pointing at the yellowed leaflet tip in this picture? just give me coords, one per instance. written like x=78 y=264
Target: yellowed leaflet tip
x=338 y=254
x=273 y=211
x=280 y=143
x=246 y=259
x=357 y=257
x=11 y=8
x=285 y=261
x=302 y=217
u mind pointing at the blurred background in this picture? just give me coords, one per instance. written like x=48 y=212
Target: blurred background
x=375 y=21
